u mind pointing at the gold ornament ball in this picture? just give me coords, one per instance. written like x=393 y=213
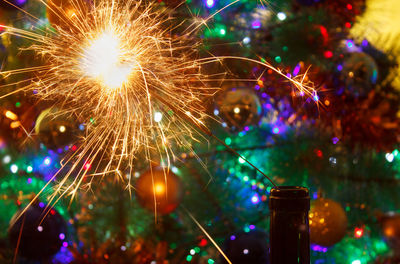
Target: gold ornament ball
x=359 y=73
x=328 y=222
x=55 y=130
x=240 y=107
x=163 y=186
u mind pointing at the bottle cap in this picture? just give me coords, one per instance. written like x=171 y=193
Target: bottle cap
x=289 y=198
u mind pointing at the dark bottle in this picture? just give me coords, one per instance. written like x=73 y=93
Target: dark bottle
x=289 y=229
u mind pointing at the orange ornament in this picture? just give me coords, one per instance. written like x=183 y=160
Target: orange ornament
x=328 y=222
x=391 y=230
x=159 y=190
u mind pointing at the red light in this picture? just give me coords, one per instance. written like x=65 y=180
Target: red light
x=349 y=6
x=87 y=166
x=52 y=212
x=358 y=232
x=203 y=242
x=319 y=153
x=328 y=54
x=73 y=148
x=348 y=25
x=324 y=33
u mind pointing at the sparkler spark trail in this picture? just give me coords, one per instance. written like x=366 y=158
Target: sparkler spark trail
x=123 y=66
x=135 y=72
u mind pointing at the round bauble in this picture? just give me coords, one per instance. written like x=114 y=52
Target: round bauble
x=390 y=224
x=359 y=73
x=63 y=13
x=247 y=247
x=159 y=190
x=55 y=130
x=40 y=232
x=239 y=107
x=328 y=222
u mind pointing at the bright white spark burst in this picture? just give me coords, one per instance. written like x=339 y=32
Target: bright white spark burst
x=125 y=66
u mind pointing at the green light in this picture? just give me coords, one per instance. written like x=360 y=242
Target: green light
x=92 y=120
x=285 y=48
x=246 y=178
x=189 y=258
x=241 y=161
x=278 y=59
x=210 y=261
x=395 y=152
x=380 y=246
x=17 y=104
x=29 y=169
x=241 y=134
x=347 y=208
x=263 y=60
x=222 y=31
x=269 y=189
x=246 y=229
x=173 y=246
x=357 y=261
x=228 y=141
x=197 y=249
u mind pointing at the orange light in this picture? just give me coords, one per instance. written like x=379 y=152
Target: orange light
x=159 y=188
x=389 y=231
x=11 y=115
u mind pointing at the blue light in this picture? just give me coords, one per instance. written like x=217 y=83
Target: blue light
x=47 y=161
x=256 y=24
x=364 y=43
x=255 y=199
x=316 y=98
x=210 y=3
x=349 y=44
x=319 y=248
x=339 y=67
x=233 y=237
x=81 y=127
x=296 y=70
x=246 y=40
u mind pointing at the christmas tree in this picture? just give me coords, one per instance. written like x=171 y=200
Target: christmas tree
x=131 y=130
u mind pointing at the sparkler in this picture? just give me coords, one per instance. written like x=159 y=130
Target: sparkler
x=131 y=70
